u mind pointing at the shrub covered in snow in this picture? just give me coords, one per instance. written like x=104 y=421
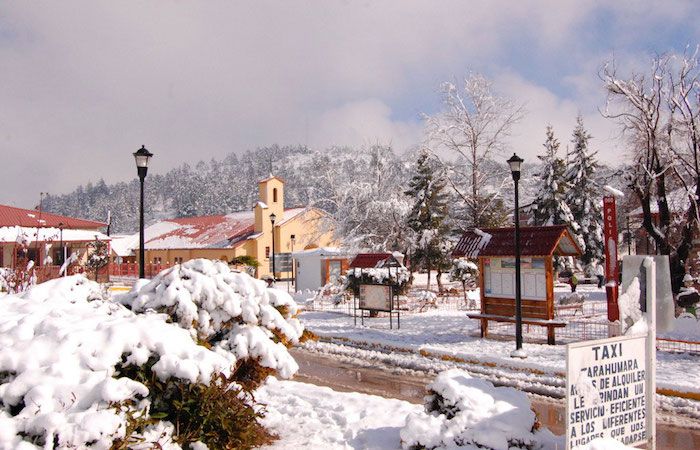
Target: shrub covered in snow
x=466 y=412
x=229 y=311
x=79 y=371
x=386 y=275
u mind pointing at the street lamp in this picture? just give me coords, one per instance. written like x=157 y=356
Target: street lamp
x=293 y=239
x=142 y=156
x=514 y=162
x=62 y=254
x=272 y=221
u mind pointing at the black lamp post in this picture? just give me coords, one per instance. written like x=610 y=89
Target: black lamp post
x=61 y=255
x=142 y=156
x=293 y=239
x=514 y=162
x=272 y=221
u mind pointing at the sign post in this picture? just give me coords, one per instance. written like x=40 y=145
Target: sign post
x=611 y=270
x=611 y=383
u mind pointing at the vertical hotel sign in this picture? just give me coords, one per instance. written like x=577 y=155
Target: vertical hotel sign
x=611 y=271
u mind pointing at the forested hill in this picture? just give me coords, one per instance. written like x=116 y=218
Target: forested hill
x=361 y=187
x=223 y=186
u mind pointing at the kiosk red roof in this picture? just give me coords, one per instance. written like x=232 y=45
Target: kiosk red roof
x=534 y=241
x=371 y=260
x=11 y=216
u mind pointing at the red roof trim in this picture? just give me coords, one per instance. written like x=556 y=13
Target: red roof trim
x=12 y=216
x=534 y=241
x=370 y=260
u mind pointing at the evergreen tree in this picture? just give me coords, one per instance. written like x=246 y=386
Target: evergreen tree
x=583 y=197
x=428 y=217
x=549 y=206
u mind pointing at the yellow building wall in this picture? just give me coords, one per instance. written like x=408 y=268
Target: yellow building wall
x=307 y=227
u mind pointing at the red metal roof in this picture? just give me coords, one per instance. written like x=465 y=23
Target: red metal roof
x=223 y=231
x=370 y=260
x=534 y=241
x=12 y=216
x=200 y=232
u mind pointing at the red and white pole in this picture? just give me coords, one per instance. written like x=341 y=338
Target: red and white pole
x=611 y=268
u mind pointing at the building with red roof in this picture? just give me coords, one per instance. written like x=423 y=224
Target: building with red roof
x=44 y=238
x=243 y=233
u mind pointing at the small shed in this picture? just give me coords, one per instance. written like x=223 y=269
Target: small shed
x=317 y=267
x=495 y=250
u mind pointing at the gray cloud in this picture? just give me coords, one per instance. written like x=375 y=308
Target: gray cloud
x=84 y=84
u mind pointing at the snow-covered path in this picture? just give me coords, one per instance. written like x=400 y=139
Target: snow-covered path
x=312 y=416
x=450 y=336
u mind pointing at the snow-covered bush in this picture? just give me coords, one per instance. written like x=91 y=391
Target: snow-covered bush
x=98 y=256
x=467 y=273
x=427 y=299
x=18 y=279
x=385 y=275
x=464 y=271
x=333 y=292
x=229 y=311
x=466 y=412
x=80 y=371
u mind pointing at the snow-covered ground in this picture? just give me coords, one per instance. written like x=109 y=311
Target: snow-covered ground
x=451 y=335
x=311 y=417
x=314 y=417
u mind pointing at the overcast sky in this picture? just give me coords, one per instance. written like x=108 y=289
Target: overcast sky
x=85 y=84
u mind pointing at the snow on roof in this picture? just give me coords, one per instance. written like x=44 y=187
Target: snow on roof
x=124 y=245
x=226 y=231
x=13 y=216
x=678 y=202
x=613 y=191
x=290 y=214
x=319 y=251
x=30 y=234
x=471 y=244
x=263 y=205
x=534 y=241
x=270 y=177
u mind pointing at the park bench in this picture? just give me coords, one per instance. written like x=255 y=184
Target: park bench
x=549 y=324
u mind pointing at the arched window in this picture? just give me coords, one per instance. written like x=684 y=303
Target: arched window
x=274 y=195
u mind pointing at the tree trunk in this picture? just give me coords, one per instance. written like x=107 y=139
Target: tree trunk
x=428 y=286
x=439 y=280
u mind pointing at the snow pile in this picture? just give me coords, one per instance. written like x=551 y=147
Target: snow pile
x=230 y=310
x=466 y=412
x=631 y=317
x=685 y=326
x=60 y=346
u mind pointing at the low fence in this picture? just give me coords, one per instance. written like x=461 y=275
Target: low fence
x=131 y=270
x=407 y=304
x=574 y=331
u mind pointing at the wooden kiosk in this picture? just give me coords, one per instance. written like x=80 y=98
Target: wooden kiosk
x=495 y=250
x=372 y=296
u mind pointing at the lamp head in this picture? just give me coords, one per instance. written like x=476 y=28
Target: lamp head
x=272 y=218
x=142 y=157
x=514 y=162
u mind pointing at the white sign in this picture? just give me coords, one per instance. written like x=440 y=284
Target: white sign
x=606 y=385
x=375 y=296
x=611 y=383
